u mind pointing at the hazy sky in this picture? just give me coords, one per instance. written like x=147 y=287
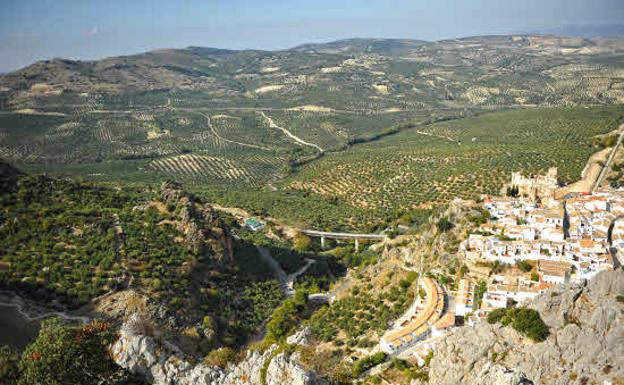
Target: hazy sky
x=86 y=29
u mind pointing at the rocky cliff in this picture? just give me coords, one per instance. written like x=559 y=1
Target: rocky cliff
x=141 y=351
x=204 y=230
x=585 y=346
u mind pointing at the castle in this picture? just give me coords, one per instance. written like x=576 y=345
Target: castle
x=534 y=186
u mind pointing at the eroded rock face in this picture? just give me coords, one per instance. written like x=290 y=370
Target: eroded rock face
x=301 y=337
x=204 y=231
x=586 y=345
x=285 y=369
x=163 y=363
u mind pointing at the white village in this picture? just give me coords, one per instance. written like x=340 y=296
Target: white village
x=537 y=236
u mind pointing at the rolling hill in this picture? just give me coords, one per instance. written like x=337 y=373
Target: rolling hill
x=266 y=120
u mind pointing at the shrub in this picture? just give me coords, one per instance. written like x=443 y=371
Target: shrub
x=366 y=363
x=496 y=316
x=445 y=225
x=220 y=357
x=64 y=355
x=529 y=323
x=481 y=289
x=418 y=374
x=525 y=321
x=284 y=318
x=9 y=372
x=524 y=266
x=302 y=243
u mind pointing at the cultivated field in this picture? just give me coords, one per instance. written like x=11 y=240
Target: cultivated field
x=258 y=121
x=459 y=158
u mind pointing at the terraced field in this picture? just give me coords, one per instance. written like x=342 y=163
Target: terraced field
x=460 y=158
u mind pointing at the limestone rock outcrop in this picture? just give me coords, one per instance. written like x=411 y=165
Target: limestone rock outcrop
x=586 y=344
x=204 y=230
x=162 y=363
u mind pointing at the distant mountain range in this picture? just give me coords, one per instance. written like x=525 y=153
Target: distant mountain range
x=251 y=117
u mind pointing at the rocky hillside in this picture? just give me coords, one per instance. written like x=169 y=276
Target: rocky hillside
x=585 y=345
x=162 y=363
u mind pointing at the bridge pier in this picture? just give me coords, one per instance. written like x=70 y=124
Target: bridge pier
x=323 y=243
x=357 y=245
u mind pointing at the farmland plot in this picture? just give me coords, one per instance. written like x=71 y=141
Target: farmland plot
x=250 y=170
x=461 y=158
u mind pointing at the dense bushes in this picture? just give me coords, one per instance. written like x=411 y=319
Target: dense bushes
x=444 y=224
x=362 y=313
x=59 y=237
x=366 y=363
x=525 y=321
x=412 y=372
x=285 y=317
x=220 y=357
x=70 y=242
x=496 y=315
x=9 y=360
x=63 y=355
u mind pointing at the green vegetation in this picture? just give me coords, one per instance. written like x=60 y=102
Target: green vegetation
x=362 y=314
x=524 y=266
x=70 y=242
x=286 y=317
x=9 y=371
x=59 y=239
x=525 y=321
x=616 y=179
x=444 y=225
x=404 y=124
x=409 y=371
x=363 y=364
x=458 y=158
x=480 y=292
x=300 y=208
x=348 y=257
x=302 y=243
x=64 y=355
x=220 y=357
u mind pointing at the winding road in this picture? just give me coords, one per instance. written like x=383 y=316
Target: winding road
x=216 y=134
x=297 y=139
x=287 y=281
x=437 y=136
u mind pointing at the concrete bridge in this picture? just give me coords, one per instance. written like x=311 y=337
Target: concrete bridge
x=343 y=236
